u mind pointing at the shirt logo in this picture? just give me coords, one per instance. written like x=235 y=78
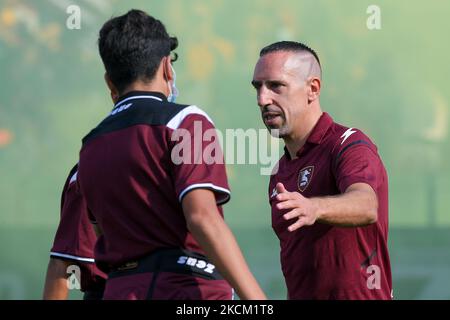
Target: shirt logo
x=121 y=108
x=347 y=134
x=304 y=177
x=196 y=263
x=274 y=193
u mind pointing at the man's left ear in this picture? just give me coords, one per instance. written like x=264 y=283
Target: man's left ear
x=313 y=89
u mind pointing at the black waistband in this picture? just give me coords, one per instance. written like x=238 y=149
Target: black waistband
x=170 y=260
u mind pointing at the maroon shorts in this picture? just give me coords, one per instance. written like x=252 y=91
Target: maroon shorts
x=171 y=274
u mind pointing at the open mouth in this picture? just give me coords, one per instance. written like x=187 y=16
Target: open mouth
x=270 y=117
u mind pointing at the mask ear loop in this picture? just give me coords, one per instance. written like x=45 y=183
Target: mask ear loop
x=173 y=88
x=166 y=72
x=169 y=97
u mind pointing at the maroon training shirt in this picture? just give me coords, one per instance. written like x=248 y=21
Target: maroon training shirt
x=75 y=237
x=132 y=186
x=323 y=261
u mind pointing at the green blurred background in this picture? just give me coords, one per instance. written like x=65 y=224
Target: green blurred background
x=392 y=83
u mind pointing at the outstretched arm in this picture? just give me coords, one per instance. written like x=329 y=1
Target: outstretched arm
x=214 y=236
x=357 y=206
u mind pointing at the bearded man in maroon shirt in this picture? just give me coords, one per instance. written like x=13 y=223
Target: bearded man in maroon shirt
x=329 y=191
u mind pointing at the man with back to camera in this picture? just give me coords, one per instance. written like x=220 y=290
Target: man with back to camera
x=162 y=230
x=329 y=195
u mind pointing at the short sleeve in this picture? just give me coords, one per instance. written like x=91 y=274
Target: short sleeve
x=357 y=161
x=75 y=237
x=197 y=157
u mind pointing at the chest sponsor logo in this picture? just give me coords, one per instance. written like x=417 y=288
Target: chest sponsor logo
x=304 y=177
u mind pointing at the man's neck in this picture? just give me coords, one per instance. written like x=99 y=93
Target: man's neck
x=142 y=86
x=296 y=141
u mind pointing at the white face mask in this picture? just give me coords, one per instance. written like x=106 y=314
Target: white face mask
x=173 y=91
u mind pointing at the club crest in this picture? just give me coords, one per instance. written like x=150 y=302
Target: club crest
x=304 y=178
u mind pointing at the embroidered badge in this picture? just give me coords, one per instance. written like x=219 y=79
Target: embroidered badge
x=304 y=177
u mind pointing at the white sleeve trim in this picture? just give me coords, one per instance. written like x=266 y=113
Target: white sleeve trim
x=205 y=186
x=68 y=256
x=175 y=122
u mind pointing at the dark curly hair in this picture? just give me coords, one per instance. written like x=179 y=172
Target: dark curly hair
x=132 y=46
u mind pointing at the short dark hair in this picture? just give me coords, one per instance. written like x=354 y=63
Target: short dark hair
x=288 y=46
x=132 y=46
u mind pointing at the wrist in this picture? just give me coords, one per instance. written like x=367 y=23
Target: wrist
x=318 y=209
